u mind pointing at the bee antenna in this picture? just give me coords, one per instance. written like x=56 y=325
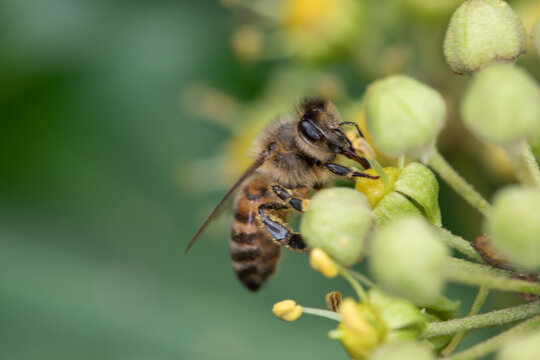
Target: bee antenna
x=355 y=125
x=342 y=134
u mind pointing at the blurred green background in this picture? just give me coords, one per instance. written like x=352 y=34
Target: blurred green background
x=107 y=169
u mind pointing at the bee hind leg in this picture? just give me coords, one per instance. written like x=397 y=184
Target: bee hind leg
x=287 y=196
x=279 y=232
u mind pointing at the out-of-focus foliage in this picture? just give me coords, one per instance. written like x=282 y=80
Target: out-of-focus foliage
x=107 y=171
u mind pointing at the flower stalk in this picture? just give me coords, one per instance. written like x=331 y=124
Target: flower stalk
x=496 y=342
x=438 y=163
x=362 y=278
x=468 y=273
x=475 y=309
x=498 y=317
x=524 y=163
x=322 y=313
x=358 y=289
x=459 y=244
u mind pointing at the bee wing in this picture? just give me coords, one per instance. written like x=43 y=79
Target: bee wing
x=256 y=164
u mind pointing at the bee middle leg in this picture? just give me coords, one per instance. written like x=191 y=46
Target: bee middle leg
x=347 y=172
x=288 y=197
x=279 y=232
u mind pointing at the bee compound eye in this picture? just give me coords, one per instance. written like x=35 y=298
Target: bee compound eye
x=309 y=130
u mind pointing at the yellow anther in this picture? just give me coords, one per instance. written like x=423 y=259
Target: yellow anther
x=353 y=318
x=360 y=331
x=287 y=310
x=320 y=261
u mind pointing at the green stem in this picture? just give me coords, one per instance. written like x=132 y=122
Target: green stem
x=497 y=341
x=401 y=162
x=475 y=309
x=525 y=164
x=468 y=273
x=362 y=278
x=355 y=285
x=498 y=317
x=322 y=313
x=380 y=171
x=459 y=244
x=445 y=171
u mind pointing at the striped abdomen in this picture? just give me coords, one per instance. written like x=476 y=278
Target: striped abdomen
x=253 y=253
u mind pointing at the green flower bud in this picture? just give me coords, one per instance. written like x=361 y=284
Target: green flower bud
x=526 y=347
x=502 y=105
x=514 y=226
x=337 y=221
x=413 y=190
x=407 y=259
x=405 y=350
x=404 y=116
x=483 y=32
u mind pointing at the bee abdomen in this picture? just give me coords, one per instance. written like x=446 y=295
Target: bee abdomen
x=254 y=257
x=253 y=252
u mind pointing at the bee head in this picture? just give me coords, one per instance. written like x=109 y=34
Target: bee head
x=320 y=132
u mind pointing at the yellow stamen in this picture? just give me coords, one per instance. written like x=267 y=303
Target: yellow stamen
x=320 y=261
x=287 y=310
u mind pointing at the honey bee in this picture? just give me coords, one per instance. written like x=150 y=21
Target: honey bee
x=293 y=154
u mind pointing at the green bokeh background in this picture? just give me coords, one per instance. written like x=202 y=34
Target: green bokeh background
x=93 y=223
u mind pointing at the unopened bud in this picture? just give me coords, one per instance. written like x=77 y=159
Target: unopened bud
x=514 y=226
x=407 y=259
x=404 y=116
x=483 y=32
x=337 y=221
x=526 y=347
x=502 y=105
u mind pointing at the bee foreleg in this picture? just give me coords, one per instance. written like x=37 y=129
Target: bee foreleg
x=286 y=195
x=279 y=232
x=347 y=172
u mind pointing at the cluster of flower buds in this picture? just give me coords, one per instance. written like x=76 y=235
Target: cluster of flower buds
x=395 y=220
